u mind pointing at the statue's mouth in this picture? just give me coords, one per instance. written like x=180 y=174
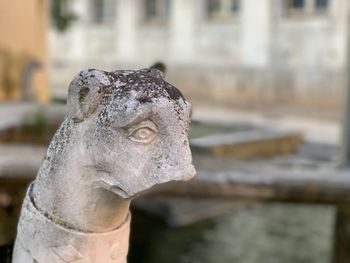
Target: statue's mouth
x=119 y=191
x=115 y=189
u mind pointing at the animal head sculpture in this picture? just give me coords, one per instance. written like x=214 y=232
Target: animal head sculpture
x=125 y=132
x=136 y=128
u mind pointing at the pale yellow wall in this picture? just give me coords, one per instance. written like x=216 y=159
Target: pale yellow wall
x=23 y=32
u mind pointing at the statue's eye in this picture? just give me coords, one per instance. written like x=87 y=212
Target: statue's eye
x=145 y=132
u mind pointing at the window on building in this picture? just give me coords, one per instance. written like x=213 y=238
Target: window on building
x=222 y=8
x=213 y=6
x=103 y=11
x=306 y=7
x=157 y=10
x=297 y=3
x=151 y=8
x=321 y=4
x=235 y=5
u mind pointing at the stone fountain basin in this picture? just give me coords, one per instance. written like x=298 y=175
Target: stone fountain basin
x=26 y=130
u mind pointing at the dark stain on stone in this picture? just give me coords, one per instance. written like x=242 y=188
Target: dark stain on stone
x=149 y=82
x=83 y=92
x=144 y=99
x=173 y=92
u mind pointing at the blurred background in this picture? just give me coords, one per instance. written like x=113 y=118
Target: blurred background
x=268 y=81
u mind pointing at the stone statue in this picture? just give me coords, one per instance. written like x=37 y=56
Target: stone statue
x=125 y=132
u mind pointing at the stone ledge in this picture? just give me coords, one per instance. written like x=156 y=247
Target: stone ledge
x=249 y=144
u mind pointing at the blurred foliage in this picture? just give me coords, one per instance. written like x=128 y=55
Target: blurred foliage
x=12 y=65
x=58 y=100
x=61 y=15
x=35 y=123
x=7 y=81
x=34 y=129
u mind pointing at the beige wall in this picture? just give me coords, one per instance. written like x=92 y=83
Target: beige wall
x=23 y=31
x=262 y=54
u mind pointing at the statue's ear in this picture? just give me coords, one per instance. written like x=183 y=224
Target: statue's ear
x=85 y=92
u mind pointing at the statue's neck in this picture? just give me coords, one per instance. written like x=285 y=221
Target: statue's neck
x=86 y=209
x=65 y=191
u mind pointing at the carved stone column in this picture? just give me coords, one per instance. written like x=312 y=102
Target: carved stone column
x=125 y=132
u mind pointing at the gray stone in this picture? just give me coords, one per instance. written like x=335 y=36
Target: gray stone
x=125 y=132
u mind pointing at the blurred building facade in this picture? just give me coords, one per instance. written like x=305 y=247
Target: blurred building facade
x=225 y=51
x=23 y=50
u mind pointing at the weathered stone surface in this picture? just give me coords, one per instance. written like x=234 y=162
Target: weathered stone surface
x=125 y=132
